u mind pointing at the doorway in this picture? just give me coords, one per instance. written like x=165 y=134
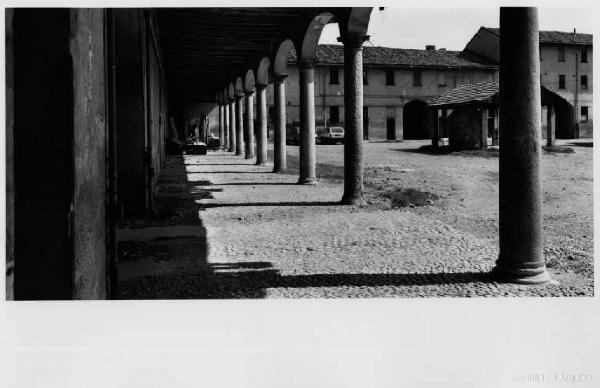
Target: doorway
x=414 y=120
x=391 y=128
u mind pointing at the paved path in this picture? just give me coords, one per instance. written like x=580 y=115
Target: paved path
x=261 y=235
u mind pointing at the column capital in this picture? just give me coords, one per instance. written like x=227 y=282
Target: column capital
x=248 y=92
x=238 y=97
x=280 y=77
x=353 y=40
x=260 y=86
x=230 y=99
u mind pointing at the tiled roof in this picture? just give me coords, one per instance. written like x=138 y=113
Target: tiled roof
x=556 y=37
x=334 y=54
x=467 y=93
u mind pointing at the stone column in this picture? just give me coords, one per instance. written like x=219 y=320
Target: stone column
x=484 y=129
x=221 y=122
x=239 y=116
x=521 y=257
x=279 y=159
x=550 y=135
x=225 y=139
x=432 y=124
x=232 y=122
x=444 y=125
x=249 y=127
x=261 y=136
x=576 y=107
x=307 y=124
x=353 y=117
x=495 y=130
x=435 y=134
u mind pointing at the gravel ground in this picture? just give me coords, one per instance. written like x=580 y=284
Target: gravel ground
x=248 y=233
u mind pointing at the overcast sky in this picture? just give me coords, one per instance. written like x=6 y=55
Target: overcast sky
x=451 y=28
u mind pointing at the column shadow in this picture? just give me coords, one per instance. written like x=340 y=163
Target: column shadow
x=253 y=279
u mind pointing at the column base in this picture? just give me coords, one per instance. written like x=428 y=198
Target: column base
x=239 y=154
x=307 y=181
x=249 y=157
x=522 y=276
x=351 y=200
x=260 y=163
x=279 y=170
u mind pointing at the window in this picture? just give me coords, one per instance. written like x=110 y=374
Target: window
x=561 y=81
x=333 y=77
x=417 y=78
x=365 y=77
x=389 y=77
x=584 y=82
x=584 y=55
x=442 y=79
x=334 y=114
x=561 y=54
x=584 y=114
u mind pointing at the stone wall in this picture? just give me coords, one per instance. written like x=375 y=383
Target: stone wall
x=10 y=152
x=43 y=154
x=89 y=152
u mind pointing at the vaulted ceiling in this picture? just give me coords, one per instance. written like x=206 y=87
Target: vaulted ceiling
x=204 y=48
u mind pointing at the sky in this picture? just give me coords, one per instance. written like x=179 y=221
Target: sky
x=452 y=27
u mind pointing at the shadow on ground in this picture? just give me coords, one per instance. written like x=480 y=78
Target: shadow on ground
x=447 y=150
x=587 y=144
x=175 y=266
x=252 y=279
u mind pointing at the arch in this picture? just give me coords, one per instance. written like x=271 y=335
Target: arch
x=224 y=93
x=239 y=87
x=249 y=81
x=358 y=20
x=310 y=41
x=262 y=73
x=414 y=120
x=281 y=57
x=564 y=114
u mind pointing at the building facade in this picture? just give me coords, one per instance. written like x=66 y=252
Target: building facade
x=566 y=64
x=398 y=84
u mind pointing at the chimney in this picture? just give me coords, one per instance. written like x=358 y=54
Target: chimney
x=430 y=47
x=574 y=30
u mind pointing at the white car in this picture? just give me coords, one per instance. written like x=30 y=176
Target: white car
x=332 y=135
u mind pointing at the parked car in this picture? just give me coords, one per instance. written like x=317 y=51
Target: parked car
x=332 y=135
x=195 y=148
x=213 y=142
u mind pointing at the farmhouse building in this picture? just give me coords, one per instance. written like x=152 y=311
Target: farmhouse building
x=566 y=69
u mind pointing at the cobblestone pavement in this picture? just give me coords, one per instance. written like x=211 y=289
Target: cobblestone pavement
x=245 y=232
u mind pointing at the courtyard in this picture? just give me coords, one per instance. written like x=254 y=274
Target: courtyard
x=427 y=226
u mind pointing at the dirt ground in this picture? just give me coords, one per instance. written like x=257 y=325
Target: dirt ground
x=427 y=227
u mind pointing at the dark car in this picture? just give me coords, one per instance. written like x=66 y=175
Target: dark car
x=292 y=135
x=213 y=143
